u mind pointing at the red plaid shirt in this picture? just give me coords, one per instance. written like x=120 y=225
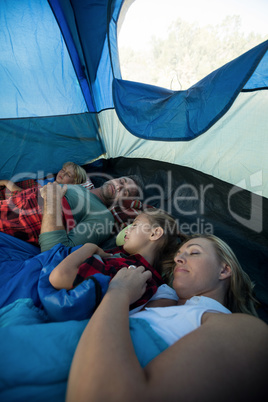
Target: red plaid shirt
x=110 y=266
x=24 y=184
x=21 y=215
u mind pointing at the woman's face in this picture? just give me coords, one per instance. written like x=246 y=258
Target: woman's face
x=137 y=235
x=66 y=175
x=197 y=270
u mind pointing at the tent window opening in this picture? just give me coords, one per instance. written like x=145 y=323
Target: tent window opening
x=174 y=44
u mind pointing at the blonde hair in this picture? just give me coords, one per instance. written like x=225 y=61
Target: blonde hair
x=239 y=297
x=168 y=242
x=80 y=175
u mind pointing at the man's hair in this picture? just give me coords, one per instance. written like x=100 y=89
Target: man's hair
x=138 y=181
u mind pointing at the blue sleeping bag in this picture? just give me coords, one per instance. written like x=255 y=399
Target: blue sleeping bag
x=20 y=267
x=24 y=273
x=36 y=355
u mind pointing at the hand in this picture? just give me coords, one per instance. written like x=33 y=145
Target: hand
x=102 y=253
x=53 y=191
x=94 y=249
x=132 y=281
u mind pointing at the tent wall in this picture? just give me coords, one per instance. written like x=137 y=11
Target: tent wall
x=92 y=23
x=45 y=118
x=160 y=114
x=218 y=126
x=37 y=146
x=230 y=150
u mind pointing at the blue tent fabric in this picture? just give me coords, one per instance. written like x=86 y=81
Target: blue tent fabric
x=40 y=66
x=259 y=80
x=43 y=111
x=79 y=68
x=87 y=33
x=91 y=24
x=158 y=114
x=52 y=140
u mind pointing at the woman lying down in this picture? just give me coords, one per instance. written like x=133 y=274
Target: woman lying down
x=210 y=354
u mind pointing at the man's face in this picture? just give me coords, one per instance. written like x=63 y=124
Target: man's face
x=119 y=189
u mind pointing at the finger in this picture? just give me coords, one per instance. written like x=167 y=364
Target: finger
x=106 y=255
x=141 y=268
x=147 y=275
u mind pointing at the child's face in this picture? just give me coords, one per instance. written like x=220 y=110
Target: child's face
x=138 y=235
x=66 y=175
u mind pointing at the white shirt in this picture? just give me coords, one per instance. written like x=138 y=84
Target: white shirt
x=174 y=322
x=163 y=292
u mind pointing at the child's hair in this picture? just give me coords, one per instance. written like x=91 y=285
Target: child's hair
x=168 y=242
x=239 y=297
x=80 y=173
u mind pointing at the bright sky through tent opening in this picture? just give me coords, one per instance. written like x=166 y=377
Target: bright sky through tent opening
x=156 y=49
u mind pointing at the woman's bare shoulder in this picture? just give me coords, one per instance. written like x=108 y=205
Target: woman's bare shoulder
x=234 y=319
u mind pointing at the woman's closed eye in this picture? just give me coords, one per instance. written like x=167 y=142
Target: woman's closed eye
x=193 y=251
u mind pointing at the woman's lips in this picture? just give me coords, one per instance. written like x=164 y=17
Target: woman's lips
x=180 y=269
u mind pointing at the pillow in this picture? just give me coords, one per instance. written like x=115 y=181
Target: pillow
x=88 y=184
x=121 y=236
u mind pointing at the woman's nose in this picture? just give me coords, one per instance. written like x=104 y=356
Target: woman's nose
x=180 y=257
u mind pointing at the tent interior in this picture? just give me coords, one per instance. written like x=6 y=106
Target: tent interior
x=200 y=152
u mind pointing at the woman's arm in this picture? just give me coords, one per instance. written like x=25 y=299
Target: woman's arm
x=105 y=367
x=63 y=275
x=224 y=359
